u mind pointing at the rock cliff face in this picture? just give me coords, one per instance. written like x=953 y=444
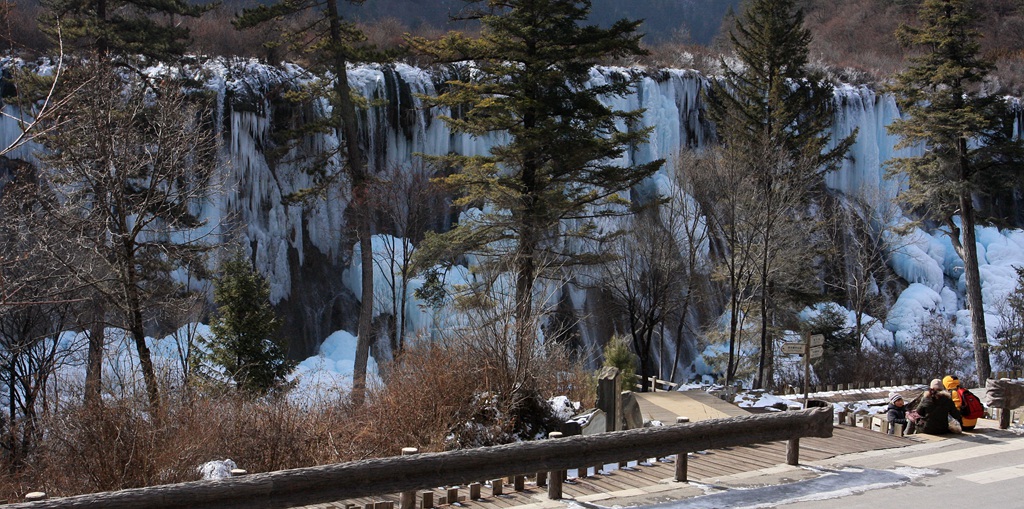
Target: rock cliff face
x=305 y=250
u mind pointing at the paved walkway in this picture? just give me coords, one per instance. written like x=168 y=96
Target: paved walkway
x=696 y=405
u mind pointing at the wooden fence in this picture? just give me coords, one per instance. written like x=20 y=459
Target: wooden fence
x=397 y=474
x=655 y=384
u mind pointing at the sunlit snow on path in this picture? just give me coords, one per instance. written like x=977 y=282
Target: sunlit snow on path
x=832 y=484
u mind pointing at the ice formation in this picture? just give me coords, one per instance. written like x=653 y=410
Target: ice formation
x=309 y=259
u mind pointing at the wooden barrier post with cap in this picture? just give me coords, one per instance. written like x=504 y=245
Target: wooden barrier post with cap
x=554 y=476
x=408 y=499
x=681 y=456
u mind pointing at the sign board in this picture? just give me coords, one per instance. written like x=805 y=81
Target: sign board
x=817 y=340
x=816 y=352
x=791 y=348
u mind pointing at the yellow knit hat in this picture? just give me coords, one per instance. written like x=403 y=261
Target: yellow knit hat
x=950 y=382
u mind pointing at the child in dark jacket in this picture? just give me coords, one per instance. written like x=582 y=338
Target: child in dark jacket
x=897 y=413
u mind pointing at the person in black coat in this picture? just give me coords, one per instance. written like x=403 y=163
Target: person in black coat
x=897 y=413
x=935 y=409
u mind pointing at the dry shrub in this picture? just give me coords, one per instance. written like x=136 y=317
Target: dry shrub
x=444 y=397
x=112 y=447
x=272 y=434
x=119 y=445
x=428 y=390
x=558 y=374
x=435 y=398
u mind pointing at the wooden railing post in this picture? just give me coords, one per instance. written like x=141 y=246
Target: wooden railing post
x=681 y=456
x=408 y=499
x=555 y=476
x=793 y=451
x=608 y=399
x=428 y=500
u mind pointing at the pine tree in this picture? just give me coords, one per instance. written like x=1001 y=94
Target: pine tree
x=531 y=67
x=124 y=27
x=329 y=43
x=242 y=342
x=772 y=104
x=970 y=151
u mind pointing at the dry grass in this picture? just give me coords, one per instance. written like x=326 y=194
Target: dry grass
x=429 y=392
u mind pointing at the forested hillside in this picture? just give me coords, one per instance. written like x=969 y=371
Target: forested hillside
x=854 y=38
x=857 y=37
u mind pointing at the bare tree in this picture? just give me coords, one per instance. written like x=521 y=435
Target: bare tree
x=645 y=282
x=938 y=353
x=131 y=165
x=728 y=198
x=682 y=216
x=1010 y=350
x=484 y=323
x=36 y=307
x=30 y=353
x=654 y=275
x=864 y=236
x=409 y=204
x=765 y=243
x=30 y=110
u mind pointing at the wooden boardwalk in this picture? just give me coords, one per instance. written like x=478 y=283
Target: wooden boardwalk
x=702 y=467
x=653 y=475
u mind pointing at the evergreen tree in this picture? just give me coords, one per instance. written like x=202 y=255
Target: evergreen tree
x=772 y=104
x=124 y=27
x=968 y=135
x=242 y=342
x=618 y=355
x=328 y=42
x=530 y=79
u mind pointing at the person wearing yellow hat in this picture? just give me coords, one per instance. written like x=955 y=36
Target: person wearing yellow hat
x=936 y=408
x=952 y=383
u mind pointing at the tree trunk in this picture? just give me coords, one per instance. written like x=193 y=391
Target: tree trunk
x=11 y=440
x=525 y=333
x=973 y=288
x=94 y=365
x=365 y=330
x=762 y=363
x=349 y=132
x=138 y=332
x=145 y=362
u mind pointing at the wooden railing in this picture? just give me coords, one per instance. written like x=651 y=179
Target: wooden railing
x=655 y=384
x=1007 y=396
x=397 y=474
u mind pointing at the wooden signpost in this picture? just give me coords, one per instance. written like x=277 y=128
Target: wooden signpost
x=811 y=347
